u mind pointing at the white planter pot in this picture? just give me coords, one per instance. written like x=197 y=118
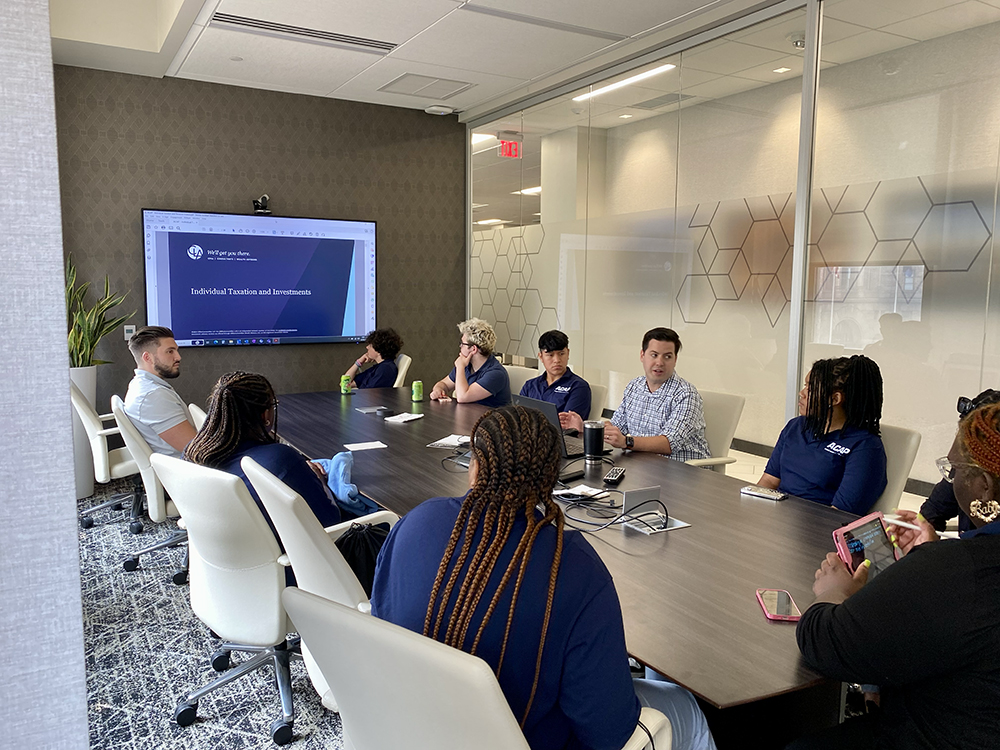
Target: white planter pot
x=85 y=378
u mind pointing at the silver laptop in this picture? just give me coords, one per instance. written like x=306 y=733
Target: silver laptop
x=572 y=447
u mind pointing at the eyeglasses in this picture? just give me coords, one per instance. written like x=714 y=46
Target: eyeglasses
x=274 y=423
x=465 y=344
x=966 y=404
x=947 y=467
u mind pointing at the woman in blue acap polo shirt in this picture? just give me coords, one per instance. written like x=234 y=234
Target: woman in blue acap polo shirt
x=495 y=574
x=832 y=452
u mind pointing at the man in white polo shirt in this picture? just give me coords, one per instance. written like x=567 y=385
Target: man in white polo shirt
x=151 y=403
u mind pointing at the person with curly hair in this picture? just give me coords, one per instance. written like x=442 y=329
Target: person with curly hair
x=381 y=348
x=478 y=376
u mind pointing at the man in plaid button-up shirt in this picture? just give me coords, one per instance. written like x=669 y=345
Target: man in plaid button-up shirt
x=660 y=412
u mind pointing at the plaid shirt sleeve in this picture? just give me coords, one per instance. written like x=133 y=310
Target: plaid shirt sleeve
x=686 y=419
x=620 y=418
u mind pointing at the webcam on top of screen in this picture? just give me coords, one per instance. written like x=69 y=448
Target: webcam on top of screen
x=260 y=205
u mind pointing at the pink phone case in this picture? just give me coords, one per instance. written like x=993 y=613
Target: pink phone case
x=841 y=542
x=784 y=618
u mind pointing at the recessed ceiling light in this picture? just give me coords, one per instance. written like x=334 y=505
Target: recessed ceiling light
x=626 y=82
x=528 y=191
x=624 y=117
x=480 y=137
x=781 y=70
x=485 y=222
x=236 y=58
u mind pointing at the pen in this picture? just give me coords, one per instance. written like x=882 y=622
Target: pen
x=904 y=524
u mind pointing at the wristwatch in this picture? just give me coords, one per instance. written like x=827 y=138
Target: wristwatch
x=629 y=442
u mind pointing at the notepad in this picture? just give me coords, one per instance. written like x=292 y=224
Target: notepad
x=401 y=418
x=365 y=446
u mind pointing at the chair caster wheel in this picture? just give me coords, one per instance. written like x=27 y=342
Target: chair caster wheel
x=281 y=732
x=135 y=527
x=117 y=506
x=220 y=661
x=185 y=714
x=86 y=522
x=131 y=563
x=180 y=577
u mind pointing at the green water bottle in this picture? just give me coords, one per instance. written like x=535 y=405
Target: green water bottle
x=417 y=390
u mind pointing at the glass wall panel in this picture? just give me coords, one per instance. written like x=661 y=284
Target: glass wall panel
x=903 y=211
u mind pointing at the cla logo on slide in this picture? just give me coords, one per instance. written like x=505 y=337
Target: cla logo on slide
x=195 y=252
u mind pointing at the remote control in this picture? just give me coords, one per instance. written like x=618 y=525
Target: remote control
x=763 y=492
x=614 y=475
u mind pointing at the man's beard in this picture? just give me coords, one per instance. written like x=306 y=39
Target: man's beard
x=166 y=373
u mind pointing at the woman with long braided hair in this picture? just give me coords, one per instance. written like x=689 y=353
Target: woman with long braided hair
x=241 y=421
x=495 y=574
x=927 y=629
x=832 y=453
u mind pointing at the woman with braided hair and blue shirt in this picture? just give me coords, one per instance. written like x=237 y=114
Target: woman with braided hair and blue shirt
x=496 y=574
x=832 y=453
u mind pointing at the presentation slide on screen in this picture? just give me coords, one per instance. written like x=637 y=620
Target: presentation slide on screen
x=264 y=283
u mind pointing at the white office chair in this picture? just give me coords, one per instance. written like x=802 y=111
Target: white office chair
x=400 y=689
x=722 y=415
x=519 y=376
x=108 y=464
x=236 y=581
x=319 y=566
x=403 y=362
x=198 y=415
x=598 y=400
x=158 y=507
x=901 y=445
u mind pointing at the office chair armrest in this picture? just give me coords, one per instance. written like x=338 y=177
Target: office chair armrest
x=365 y=607
x=283 y=560
x=106 y=417
x=383 y=516
x=711 y=461
x=658 y=725
x=109 y=431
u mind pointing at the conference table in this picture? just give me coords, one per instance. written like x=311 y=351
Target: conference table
x=687 y=595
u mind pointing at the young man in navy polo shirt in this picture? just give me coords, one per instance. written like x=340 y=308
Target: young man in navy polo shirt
x=559 y=385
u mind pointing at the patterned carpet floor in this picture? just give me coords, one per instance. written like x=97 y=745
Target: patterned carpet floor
x=145 y=649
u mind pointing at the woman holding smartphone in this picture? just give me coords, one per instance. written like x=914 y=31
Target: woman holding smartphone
x=495 y=573
x=927 y=630
x=832 y=453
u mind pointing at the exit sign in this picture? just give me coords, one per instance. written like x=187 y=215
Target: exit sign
x=510 y=149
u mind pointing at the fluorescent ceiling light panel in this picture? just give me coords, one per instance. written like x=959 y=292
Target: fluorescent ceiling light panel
x=491 y=221
x=781 y=70
x=480 y=137
x=480 y=205
x=528 y=191
x=626 y=82
x=624 y=117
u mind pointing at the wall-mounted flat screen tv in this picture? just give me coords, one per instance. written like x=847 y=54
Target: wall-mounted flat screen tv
x=248 y=280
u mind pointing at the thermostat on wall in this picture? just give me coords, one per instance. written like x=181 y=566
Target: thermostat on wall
x=129 y=332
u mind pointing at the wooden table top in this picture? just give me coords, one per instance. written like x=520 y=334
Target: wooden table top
x=687 y=595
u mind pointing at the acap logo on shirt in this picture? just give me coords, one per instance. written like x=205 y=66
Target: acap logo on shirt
x=838 y=449
x=562 y=389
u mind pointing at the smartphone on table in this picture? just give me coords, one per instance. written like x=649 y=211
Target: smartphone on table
x=778 y=605
x=866 y=539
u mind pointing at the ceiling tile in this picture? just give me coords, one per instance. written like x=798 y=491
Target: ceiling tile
x=627 y=19
x=372 y=20
x=724 y=86
x=863 y=45
x=270 y=63
x=474 y=41
x=364 y=87
x=729 y=57
x=959 y=17
x=878 y=13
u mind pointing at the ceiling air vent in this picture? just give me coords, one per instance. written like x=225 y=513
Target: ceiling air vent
x=663 y=101
x=427 y=87
x=300 y=34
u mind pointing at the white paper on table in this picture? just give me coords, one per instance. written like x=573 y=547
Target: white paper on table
x=401 y=418
x=452 y=441
x=581 y=490
x=365 y=446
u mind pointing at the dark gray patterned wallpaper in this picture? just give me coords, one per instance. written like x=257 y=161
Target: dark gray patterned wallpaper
x=132 y=142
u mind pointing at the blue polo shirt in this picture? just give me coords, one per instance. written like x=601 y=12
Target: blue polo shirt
x=569 y=393
x=492 y=377
x=382 y=375
x=844 y=468
x=585 y=697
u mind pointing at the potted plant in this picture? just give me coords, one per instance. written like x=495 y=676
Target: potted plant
x=87 y=326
